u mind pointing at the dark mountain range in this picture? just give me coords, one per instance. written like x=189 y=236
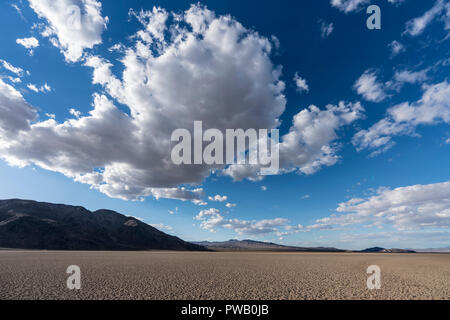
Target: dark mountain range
x=249 y=245
x=36 y=225
x=374 y=249
x=26 y=224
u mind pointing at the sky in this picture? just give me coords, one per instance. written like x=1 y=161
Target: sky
x=90 y=92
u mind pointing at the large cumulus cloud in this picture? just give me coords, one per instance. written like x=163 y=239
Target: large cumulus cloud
x=15 y=113
x=196 y=67
x=177 y=69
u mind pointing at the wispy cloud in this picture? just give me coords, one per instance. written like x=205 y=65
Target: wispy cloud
x=370 y=87
x=325 y=28
x=218 y=198
x=396 y=48
x=28 y=43
x=417 y=25
x=44 y=88
x=406 y=208
x=301 y=84
x=213 y=220
x=349 y=5
x=402 y=119
x=8 y=66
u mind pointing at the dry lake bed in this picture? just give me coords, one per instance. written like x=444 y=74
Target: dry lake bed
x=222 y=275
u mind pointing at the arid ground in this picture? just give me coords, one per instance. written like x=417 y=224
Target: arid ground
x=222 y=275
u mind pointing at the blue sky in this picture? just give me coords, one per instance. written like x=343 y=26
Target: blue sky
x=84 y=115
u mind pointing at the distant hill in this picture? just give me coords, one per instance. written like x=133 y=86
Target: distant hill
x=383 y=250
x=37 y=225
x=251 y=245
x=374 y=249
x=437 y=250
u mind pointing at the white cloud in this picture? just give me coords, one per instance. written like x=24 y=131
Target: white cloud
x=16 y=70
x=325 y=28
x=73 y=25
x=12 y=79
x=220 y=73
x=446 y=17
x=406 y=208
x=199 y=202
x=155 y=23
x=179 y=193
x=29 y=43
x=447 y=141
x=207 y=212
x=370 y=87
x=212 y=220
x=300 y=83
x=240 y=172
x=417 y=25
x=117 y=47
x=402 y=119
x=264 y=188
x=218 y=198
x=396 y=48
x=396 y=1
x=44 y=88
x=15 y=113
x=407 y=76
x=275 y=41
x=32 y=87
x=75 y=113
x=230 y=205
x=294 y=228
x=18 y=10
x=311 y=142
x=349 y=5
x=356 y=5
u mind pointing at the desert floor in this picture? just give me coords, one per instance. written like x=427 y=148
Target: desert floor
x=224 y=275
